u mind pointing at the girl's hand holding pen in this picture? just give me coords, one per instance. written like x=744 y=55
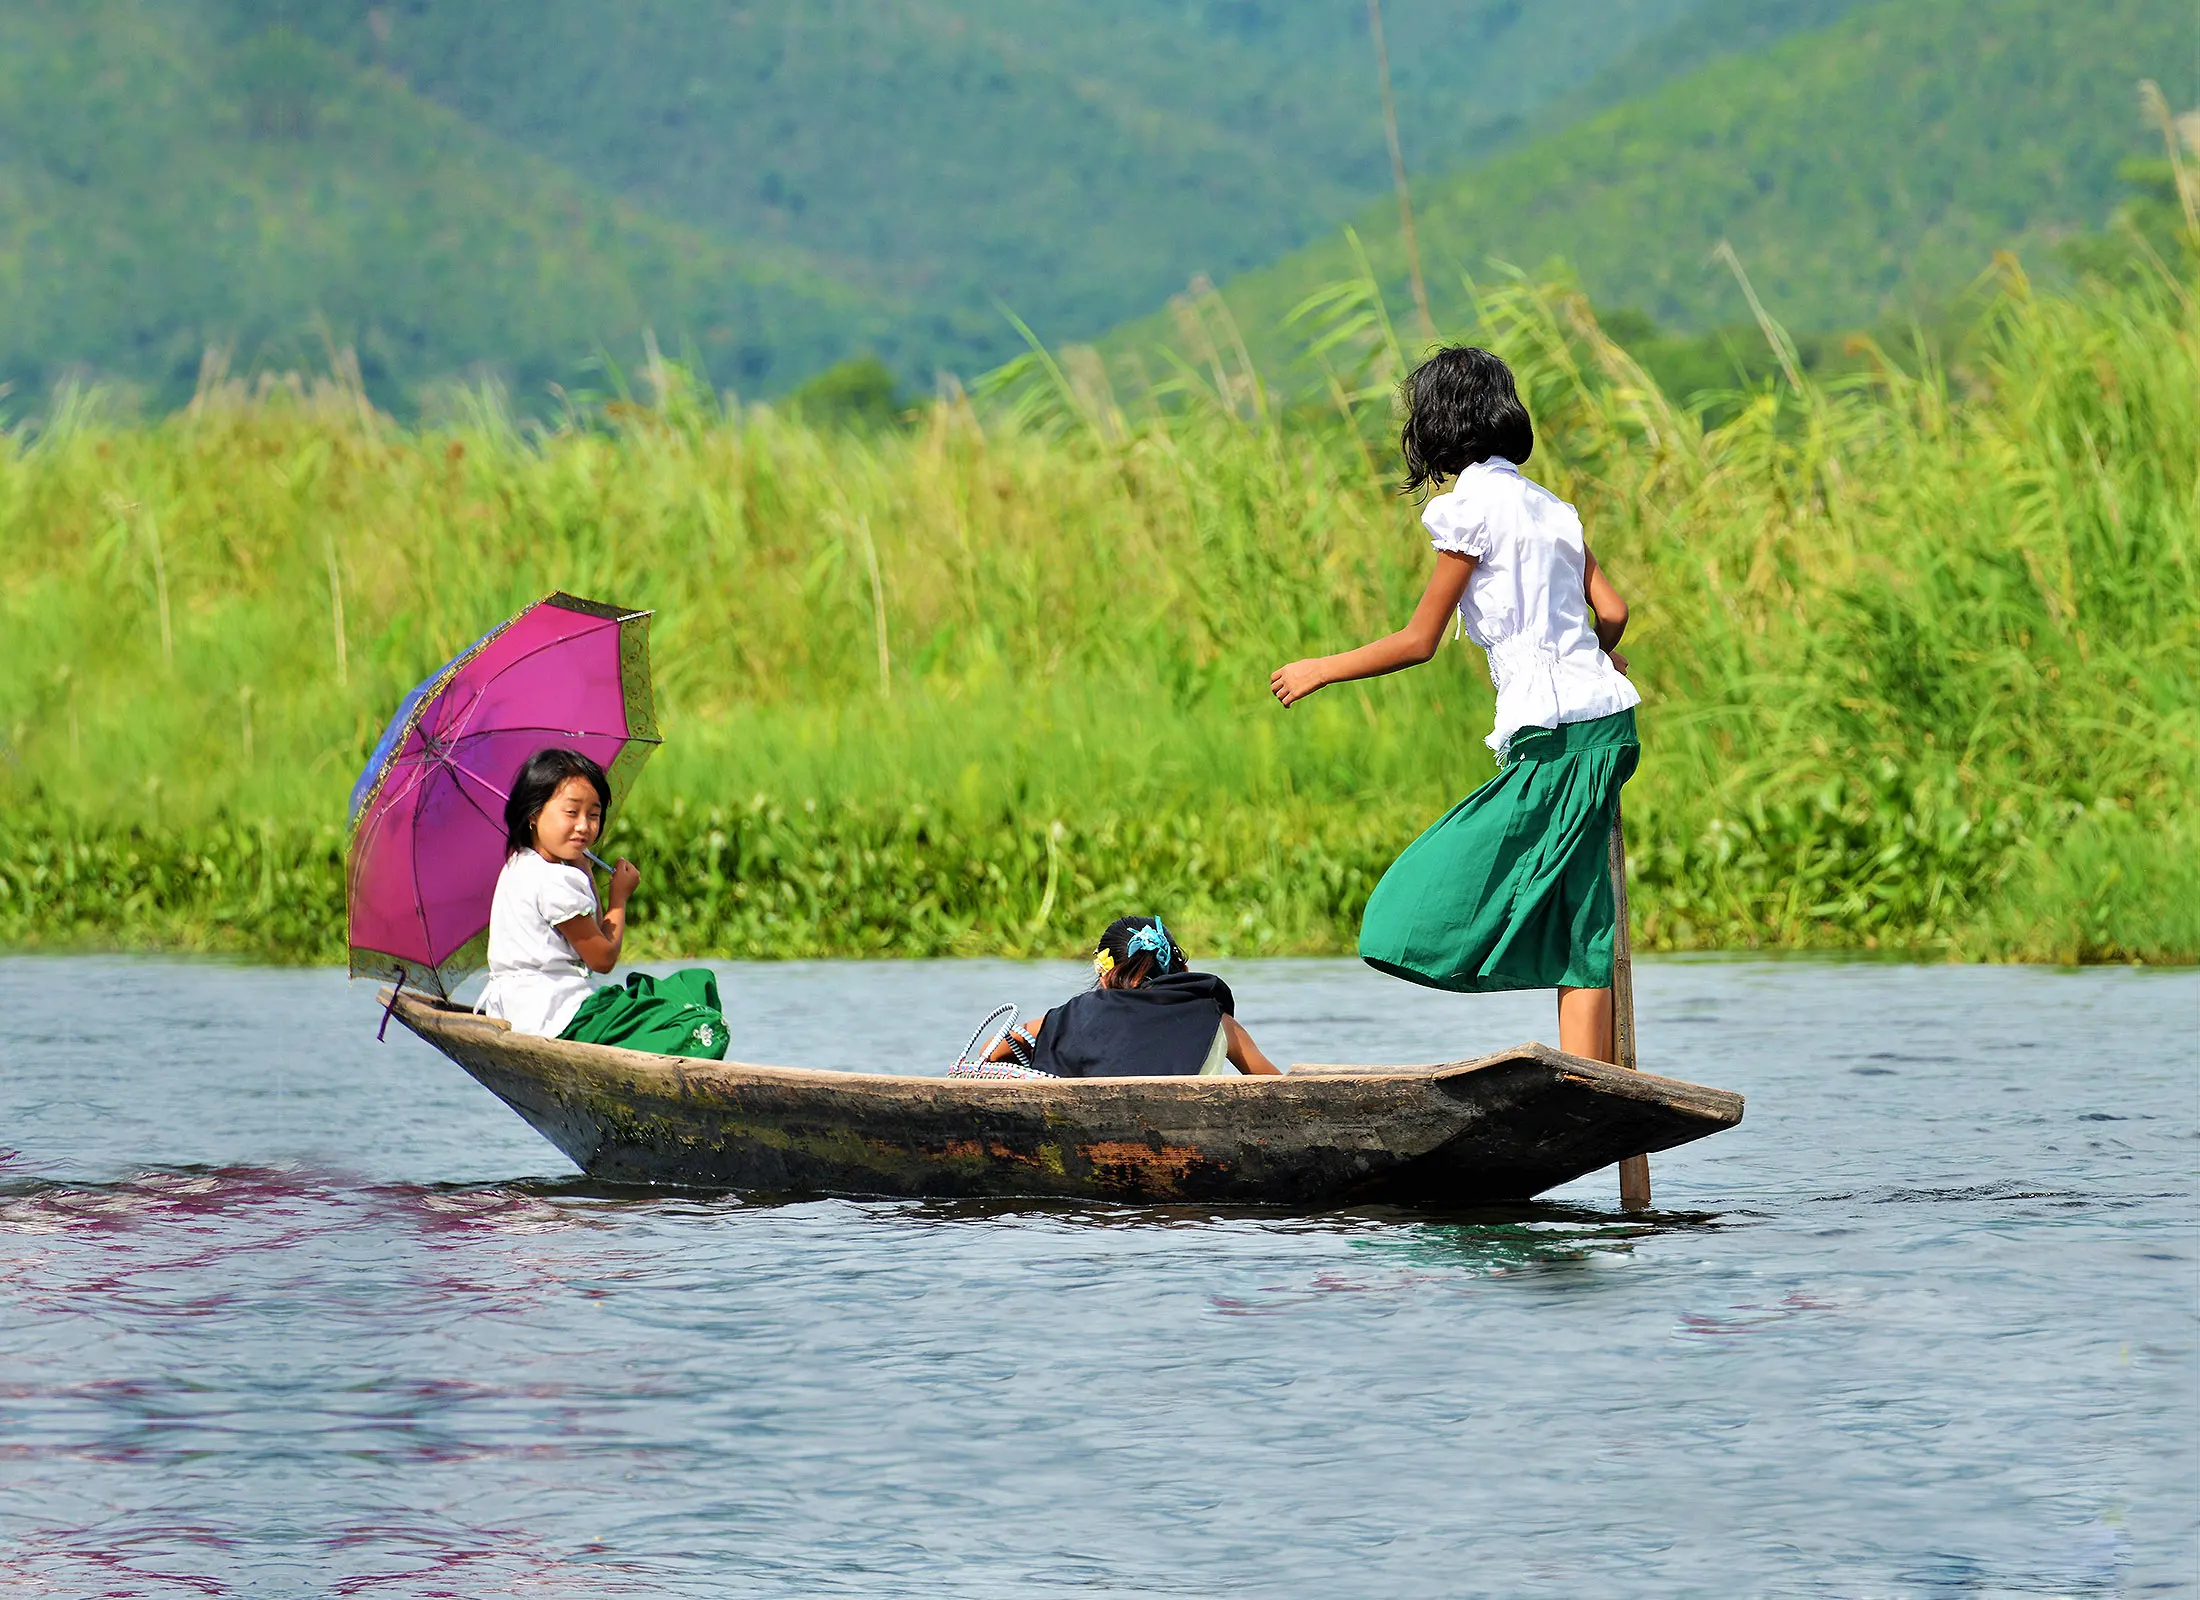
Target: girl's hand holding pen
x=624 y=879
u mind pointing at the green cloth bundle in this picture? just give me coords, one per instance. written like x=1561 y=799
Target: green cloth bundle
x=673 y=1016
x=1512 y=888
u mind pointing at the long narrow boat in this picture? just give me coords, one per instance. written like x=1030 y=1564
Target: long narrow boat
x=1503 y=1127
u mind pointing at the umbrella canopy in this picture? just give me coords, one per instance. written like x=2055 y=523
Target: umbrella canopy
x=427 y=815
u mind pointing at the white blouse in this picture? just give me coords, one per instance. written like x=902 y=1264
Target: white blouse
x=1527 y=603
x=537 y=980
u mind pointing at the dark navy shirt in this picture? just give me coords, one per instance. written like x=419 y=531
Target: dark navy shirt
x=1164 y=1029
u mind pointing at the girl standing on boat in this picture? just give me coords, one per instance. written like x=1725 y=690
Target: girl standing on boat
x=546 y=934
x=1510 y=889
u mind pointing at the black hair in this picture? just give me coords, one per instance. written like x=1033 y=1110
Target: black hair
x=1132 y=969
x=542 y=777
x=1461 y=408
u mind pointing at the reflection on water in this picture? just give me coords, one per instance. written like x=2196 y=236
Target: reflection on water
x=332 y=1322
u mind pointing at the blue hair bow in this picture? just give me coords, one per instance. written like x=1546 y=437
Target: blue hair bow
x=1156 y=939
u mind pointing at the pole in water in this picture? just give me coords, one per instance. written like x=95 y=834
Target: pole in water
x=1634 y=1171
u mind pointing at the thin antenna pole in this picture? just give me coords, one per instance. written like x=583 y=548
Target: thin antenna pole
x=1398 y=172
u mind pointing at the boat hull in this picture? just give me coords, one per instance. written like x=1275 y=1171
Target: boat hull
x=1503 y=1127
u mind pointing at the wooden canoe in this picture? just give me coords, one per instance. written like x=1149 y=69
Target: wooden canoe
x=1503 y=1127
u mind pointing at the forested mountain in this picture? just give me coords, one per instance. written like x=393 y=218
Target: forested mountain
x=457 y=187
x=515 y=184
x=167 y=186
x=1864 y=173
x=1077 y=160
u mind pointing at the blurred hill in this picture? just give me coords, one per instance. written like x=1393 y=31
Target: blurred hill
x=515 y=190
x=168 y=183
x=1076 y=160
x=512 y=187
x=1865 y=172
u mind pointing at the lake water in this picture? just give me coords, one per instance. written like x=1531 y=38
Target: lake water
x=284 y=1312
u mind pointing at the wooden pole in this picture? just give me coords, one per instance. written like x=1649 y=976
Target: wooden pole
x=1398 y=173
x=1634 y=1171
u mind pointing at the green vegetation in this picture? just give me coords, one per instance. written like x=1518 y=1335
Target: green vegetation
x=1864 y=173
x=454 y=190
x=1078 y=161
x=862 y=393
x=1919 y=655
x=165 y=190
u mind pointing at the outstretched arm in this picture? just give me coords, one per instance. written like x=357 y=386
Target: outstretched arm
x=1408 y=647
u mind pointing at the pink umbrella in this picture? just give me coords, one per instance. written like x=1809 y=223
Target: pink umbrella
x=427 y=816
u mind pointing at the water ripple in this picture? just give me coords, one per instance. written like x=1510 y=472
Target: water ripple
x=268 y=1333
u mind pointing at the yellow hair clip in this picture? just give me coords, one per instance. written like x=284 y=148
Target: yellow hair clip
x=1103 y=962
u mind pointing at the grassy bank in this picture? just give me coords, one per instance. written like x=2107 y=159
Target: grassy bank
x=1918 y=651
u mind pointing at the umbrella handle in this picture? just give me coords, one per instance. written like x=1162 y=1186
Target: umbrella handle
x=396 y=989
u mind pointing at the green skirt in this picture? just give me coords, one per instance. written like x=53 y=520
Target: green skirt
x=675 y=1016
x=1512 y=888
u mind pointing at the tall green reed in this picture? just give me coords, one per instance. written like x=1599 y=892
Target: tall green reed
x=1917 y=648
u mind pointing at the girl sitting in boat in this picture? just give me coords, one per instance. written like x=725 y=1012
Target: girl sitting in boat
x=1147 y=1016
x=546 y=934
x=1510 y=888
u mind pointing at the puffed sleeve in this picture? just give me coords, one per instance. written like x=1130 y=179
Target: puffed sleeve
x=564 y=894
x=1458 y=522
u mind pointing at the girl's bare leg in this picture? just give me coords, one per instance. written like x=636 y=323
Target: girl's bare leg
x=1585 y=1023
